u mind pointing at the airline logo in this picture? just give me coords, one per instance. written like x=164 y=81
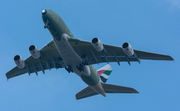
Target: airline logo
x=104 y=73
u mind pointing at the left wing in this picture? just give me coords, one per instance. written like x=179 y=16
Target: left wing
x=49 y=59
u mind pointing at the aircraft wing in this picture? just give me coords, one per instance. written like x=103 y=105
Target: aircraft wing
x=111 y=53
x=49 y=59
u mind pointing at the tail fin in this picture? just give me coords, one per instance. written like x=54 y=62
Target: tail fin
x=104 y=73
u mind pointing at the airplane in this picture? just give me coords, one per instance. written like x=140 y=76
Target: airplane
x=78 y=56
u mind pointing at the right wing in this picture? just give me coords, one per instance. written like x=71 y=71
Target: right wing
x=111 y=53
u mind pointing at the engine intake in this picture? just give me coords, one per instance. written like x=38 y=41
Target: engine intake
x=19 y=61
x=34 y=51
x=97 y=44
x=127 y=48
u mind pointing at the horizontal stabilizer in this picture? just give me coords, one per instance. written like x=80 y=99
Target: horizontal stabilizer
x=108 y=88
x=88 y=91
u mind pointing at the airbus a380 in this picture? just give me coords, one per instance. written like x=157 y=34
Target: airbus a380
x=78 y=56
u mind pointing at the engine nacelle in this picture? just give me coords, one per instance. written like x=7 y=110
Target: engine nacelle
x=127 y=48
x=34 y=51
x=19 y=61
x=97 y=44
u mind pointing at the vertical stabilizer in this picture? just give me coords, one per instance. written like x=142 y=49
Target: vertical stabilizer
x=104 y=73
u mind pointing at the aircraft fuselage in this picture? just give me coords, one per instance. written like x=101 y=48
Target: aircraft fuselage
x=61 y=33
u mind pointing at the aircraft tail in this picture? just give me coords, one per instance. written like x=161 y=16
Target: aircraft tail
x=108 y=88
x=104 y=73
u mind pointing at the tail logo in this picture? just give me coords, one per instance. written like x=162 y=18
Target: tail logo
x=104 y=73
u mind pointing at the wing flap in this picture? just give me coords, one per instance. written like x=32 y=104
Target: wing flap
x=32 y=68
x=102 y=59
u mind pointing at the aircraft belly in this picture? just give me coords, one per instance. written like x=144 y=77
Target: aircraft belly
x=93 y=79
x=69 y=56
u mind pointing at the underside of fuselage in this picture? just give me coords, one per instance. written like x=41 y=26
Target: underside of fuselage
x=61 y=33
x=74 y=63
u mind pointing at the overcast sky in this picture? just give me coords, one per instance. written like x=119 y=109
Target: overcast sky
x=148 y=25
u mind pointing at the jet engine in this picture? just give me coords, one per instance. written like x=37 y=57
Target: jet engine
x=97 y=44
x=127 y=48
x=19 y=61
x=34 y=51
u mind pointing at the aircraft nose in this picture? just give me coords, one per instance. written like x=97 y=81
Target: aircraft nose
x=44 y=11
